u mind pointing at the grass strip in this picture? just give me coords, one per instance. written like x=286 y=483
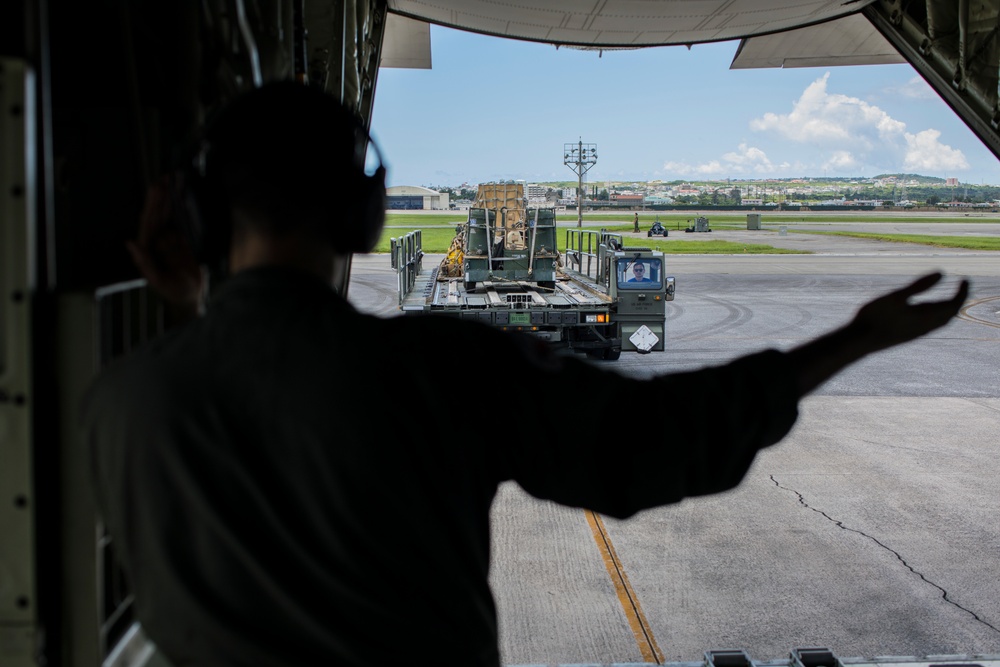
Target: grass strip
x=967 y=242
x=766 y=218
x=676 y=221
x=425 y=219
x=433 y=240
x=437 y=240
x=668 y=247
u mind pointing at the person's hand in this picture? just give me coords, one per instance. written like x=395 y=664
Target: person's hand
x=891 y=319
x=165 y=258
x=883 y=322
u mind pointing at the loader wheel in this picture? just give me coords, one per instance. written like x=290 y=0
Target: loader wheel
x=649 y=234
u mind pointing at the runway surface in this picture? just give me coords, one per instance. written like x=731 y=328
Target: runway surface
x=872 y=529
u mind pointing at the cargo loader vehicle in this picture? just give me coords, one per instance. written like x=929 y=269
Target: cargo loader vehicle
x=595 y=296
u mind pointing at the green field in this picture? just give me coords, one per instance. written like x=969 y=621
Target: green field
x=618 y=221
x=968 y=242
x=714 y=248
x=439 y=229
x=678 y=221
x=421 y=220
x=781 y=218
x=738 y=220
x=437 y=239
x=433 y=240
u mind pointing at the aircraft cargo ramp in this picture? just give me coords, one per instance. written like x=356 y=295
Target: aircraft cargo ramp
x=805 y=657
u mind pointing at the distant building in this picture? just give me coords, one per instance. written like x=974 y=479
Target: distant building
x=654 y=200
x=626 y=200
x=752 y=202
x=535 y=193
x=951 y=182
x=415 y=198
x=534 y=190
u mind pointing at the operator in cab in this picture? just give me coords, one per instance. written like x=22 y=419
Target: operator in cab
x=638 y=273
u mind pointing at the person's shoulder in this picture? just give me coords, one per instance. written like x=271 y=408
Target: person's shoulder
x=438 y=339
x=428 y=328
x=114 y=386
x=138 y=367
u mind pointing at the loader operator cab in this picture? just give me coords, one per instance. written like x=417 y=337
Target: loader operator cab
x=645 y=273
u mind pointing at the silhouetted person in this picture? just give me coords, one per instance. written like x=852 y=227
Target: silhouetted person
x=267 y=512
x=636 y=225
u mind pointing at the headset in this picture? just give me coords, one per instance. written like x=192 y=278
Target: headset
x=204 y=212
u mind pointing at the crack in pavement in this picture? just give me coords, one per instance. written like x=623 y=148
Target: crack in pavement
x=820 y=431
x=975 y=401
x=907 y=449
x=840 y=524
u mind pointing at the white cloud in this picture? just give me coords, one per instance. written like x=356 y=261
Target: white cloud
x=744 y=160
x=684 y=169
x=713 y=167
x=819 y=117
x=914 y=89
x=925 y=153
x=859 y=135
x=841 y=161
x=749 y=158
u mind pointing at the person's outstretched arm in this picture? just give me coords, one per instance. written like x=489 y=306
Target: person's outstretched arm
x=884 y=322
x=718 y=417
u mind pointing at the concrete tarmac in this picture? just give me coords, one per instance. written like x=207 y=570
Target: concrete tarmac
x=870 y=530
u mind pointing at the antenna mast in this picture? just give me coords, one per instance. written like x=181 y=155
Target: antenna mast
x=579 y=157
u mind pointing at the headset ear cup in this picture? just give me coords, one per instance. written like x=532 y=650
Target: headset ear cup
x=375 y=214
x=203 y=217
x=218 y=228
x=362 y=234
x=268 y=171
x=188 y=211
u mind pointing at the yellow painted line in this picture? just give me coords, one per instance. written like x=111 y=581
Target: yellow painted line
x=626 y=595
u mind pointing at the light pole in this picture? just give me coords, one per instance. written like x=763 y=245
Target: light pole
x=579 y=157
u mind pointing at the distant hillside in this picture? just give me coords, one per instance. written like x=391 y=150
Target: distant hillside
x=915 y=179
x=923 y=180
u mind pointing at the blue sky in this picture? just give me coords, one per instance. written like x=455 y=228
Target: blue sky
x=496 y=109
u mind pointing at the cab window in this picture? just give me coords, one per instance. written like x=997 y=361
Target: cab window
x=642 y=273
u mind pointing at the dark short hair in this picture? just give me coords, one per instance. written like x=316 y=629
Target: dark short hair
x=287 y=152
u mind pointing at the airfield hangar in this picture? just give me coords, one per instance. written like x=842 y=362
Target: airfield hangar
x=414 y=197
